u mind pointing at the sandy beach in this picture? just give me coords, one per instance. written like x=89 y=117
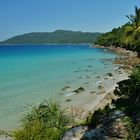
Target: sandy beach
x=90 y=100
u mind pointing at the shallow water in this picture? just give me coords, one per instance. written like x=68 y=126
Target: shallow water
x=29 y=74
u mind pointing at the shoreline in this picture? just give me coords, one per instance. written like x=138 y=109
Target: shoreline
x=90 y=101
x=126 y=60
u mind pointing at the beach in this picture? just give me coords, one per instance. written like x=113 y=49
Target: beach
x=74 y=76
x=89 y=101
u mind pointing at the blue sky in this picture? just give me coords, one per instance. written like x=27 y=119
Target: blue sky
x=23 y=16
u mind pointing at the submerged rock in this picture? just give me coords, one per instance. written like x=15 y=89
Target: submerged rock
x=93 y=92
x=66 y=88
x=109 y=74
x=80 y=77
x=101 y=90
x=100 y=87
x=77 y=71
x=86 y=83
x=89 y=66
x=98 y=77
x=80 y=89
x=68 y=100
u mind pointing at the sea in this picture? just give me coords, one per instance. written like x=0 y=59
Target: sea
x=30 y=74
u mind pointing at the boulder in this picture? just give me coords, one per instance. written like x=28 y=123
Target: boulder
x=68 y=100
x=109 y=74
x=80 y=89
x=66 y=88
x=93 y=92
x=100 y=87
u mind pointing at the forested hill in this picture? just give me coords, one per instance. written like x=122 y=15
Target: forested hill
x=56 y=37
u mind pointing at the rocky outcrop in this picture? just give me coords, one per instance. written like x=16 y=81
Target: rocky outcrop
x=111 y=128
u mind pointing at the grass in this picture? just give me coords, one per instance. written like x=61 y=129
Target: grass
x=45 y=122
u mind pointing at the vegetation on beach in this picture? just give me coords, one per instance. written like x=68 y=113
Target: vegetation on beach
x=127 y=91
x=128 y=102
x=45 y=122
x=127 y=36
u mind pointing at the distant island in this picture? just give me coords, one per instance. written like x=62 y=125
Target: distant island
x=56 y=37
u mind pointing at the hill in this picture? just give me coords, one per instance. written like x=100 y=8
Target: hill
x=56 y=37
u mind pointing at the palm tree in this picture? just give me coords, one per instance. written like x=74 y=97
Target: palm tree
x=132 y=30
x=135 y=19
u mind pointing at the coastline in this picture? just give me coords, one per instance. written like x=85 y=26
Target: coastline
x=86 y=102
x=126 y=61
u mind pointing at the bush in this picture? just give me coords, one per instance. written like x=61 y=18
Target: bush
x=45 y=122
x=98 y=115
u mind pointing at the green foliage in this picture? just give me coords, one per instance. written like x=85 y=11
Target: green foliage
x=94 y=119
x=132 y=129
x=130 y=88
x=127 y=36
x=129 y=102
x=56 y=37
x=45 y=122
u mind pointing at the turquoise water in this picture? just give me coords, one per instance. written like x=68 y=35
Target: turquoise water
x=30 y=74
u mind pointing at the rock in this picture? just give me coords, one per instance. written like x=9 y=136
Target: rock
x=111 y=128
x=80 y=89
x=68 y=100
x=76 y=71
x=89 y=66
x=66 y=88
x=86 y=83
x=93 y=92
x=105 y=78
x=88 y=77
x=80 y=77
x=98 y=77
x=100 y=87
x=109 y=74
x=75 y=133
x=61 y=93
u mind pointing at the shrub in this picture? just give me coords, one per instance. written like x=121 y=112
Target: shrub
x=45 y=122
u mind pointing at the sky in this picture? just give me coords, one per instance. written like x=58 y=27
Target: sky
x=24 y=16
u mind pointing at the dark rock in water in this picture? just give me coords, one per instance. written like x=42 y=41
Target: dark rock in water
x=86 y=83
x=100 y=87
x=109 y=74
x=66 y=88
x=76 y=71
x=89 y=66
x=105 y=78
x=68 y=100
x=98 y=77
x=80 y=77
x=43 y=107
x=86 y=70
x=93 y=92
x=88 y=77
x=80 y=89
x=120 y=72
x=61 y=93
